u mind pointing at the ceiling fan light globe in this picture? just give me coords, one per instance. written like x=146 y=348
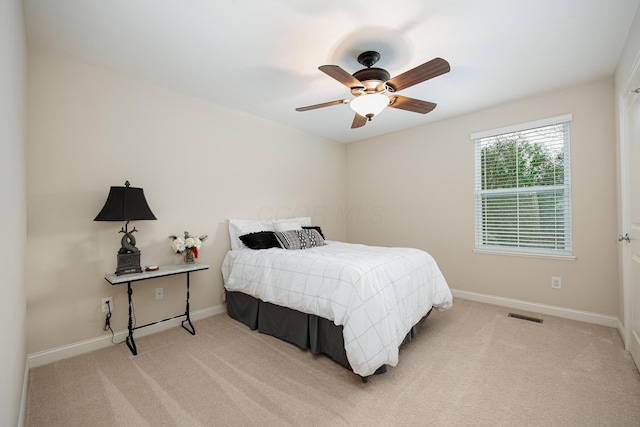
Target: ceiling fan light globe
x=369 y=105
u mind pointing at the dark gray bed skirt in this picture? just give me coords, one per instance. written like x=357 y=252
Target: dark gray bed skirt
x=307 y=331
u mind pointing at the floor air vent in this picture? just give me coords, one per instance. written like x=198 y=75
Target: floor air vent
x=523 y=317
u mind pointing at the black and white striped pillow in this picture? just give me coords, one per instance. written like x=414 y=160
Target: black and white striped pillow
x=314 y=227
x=299 y=239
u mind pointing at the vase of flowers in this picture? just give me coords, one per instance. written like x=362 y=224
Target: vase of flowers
x=189 y=256
x=188 y=245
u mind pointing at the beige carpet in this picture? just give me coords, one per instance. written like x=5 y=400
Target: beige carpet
x=469 y=366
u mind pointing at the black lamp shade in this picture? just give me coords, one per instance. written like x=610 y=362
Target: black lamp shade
x=125 y=204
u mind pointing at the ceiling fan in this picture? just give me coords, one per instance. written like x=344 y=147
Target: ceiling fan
x=370 y=85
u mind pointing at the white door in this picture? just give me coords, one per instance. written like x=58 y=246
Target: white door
x=631 y=189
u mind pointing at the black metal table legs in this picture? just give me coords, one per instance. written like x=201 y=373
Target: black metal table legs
x=192 y=331
x=131 y=343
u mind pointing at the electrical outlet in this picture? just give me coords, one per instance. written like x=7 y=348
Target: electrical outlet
x=159 y=293
x=105 y=307
x=556 y=282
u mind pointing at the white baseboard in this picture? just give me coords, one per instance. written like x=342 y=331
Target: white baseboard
x=623 y=334
x=23 y=398
x=566 y=313
x=64 y=352
x=634 y=348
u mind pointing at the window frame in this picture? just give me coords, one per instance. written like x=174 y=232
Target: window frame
x=480 y=245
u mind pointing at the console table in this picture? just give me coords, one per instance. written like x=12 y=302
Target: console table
x=163 y=271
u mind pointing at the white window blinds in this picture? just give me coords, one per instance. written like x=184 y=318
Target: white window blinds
x=523 y=188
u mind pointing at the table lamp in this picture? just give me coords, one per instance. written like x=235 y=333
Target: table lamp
x=126 y=204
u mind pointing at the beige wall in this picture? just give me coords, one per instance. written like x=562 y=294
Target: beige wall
x=199 y=164
x=415 y=188
x=12 y=210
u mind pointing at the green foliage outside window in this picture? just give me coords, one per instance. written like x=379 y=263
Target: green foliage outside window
x=516 y=162
x=522 y=193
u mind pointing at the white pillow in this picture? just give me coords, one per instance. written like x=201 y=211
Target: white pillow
x=239 y=227
x=303 y=221
x=286 y=225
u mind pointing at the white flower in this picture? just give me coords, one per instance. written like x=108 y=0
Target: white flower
x=197 y=242
x=181 y=244
x=178 y=244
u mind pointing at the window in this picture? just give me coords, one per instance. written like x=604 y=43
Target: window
x=523 y=188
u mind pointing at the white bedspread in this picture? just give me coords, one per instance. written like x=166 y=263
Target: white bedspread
x=377 y=294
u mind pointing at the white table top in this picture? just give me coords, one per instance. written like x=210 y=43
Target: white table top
x=164 y=270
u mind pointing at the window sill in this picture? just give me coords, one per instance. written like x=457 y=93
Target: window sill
x=526 y=254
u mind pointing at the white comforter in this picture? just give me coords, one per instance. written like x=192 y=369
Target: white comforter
x=377 y=294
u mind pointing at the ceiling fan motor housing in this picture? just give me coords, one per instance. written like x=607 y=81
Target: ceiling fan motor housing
x=373 y=78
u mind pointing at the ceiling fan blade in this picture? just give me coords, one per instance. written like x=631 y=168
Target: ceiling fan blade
x=341 y=75
x=358 y=121
x=410 y=104
x=419 y=74
x=324 y=104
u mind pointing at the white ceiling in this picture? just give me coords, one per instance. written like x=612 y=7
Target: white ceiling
x=262 y=57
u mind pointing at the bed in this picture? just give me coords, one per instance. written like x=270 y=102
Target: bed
x=355 y=303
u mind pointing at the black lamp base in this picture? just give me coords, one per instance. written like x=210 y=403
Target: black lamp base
x=128 y=263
